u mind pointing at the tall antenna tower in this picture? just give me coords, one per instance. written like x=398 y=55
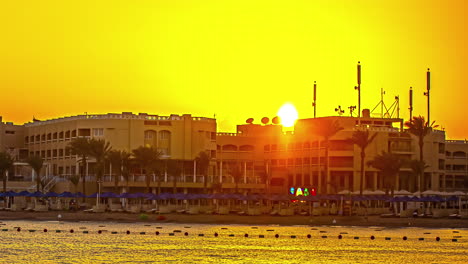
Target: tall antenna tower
x=410 y=103
x=428 y=86
x=358 y=87
x=314 y=103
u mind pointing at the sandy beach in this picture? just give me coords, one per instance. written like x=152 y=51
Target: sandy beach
x=237 y=219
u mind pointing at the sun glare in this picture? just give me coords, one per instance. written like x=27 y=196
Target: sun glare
x=288 y=115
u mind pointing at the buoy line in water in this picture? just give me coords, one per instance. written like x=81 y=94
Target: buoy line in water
x=245 y=235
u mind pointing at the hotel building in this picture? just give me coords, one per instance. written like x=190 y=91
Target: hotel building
x=258 y=158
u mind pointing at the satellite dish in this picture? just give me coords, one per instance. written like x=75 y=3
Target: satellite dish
x=249 y=121
x=265 y=120
x=275 y=120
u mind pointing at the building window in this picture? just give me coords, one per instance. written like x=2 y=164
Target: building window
x=150 y=134
x=98 y=132
x=164 y=135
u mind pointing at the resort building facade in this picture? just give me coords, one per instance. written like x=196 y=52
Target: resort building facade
x=258 y=158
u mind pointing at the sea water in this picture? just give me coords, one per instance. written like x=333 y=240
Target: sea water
x=107 y=242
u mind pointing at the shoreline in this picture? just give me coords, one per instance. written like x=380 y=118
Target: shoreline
x=373 y=220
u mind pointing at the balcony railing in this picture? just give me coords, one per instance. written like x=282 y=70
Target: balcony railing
x=182 y=179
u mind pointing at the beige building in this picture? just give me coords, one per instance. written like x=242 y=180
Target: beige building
x=244 y=161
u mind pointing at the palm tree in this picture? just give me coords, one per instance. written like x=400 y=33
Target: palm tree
x=99 y=149
x=36 y=163
x=147 y=158
x=80 y=147
x=6 y=163
x=265 y=176
x=75 y=180
x=174 y=168
x=236 y=173
x=361 y=139
x=417 y=167
x=420 y=128
x=118 y=159
x=326 y=128
x=389 y=165
x=203 y=163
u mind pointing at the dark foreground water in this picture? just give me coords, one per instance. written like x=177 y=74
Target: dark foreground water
x=99 y=242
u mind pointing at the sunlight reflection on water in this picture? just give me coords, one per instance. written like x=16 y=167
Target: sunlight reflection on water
x=230 y=246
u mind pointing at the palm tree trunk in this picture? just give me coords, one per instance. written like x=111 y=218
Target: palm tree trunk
x=361 y=183
x=116 y=183
x=327 y=170
x=421 y=172
x=148 y=180
x=4 y=180
x=83 y=177
x=38 y=181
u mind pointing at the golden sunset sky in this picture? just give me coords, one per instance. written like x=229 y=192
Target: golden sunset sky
x=236 y=59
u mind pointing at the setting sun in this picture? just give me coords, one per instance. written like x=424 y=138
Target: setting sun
x=288 y=115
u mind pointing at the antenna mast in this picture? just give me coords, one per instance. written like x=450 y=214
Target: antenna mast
x=314 y=103
x=358 y=88
x=428 y=85
x=410 y=103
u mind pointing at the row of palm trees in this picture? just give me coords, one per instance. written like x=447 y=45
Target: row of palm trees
x=147 y=159
x=388 y=163
x=6 y=164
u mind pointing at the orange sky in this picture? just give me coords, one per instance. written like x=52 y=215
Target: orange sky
x=235 y=59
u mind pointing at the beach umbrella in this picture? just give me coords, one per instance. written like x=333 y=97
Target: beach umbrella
x=35 y=194
x=109 y=195
x=451 y=198
x=51 y=194
x=23 y=193
x=66 y=195
x=345 y=192
x=250 y=197
x=94 y=195
x=80 y=195
x=154 y=197
x=165 y=196
x=183 y=196
x=402 y=192
x=124 y=195
x=11 y=194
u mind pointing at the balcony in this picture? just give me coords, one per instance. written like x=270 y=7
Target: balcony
x=187 y=181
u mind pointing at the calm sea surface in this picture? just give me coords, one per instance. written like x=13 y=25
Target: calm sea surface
x=183 y=243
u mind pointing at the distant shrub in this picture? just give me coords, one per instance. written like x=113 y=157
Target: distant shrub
x=143 y=217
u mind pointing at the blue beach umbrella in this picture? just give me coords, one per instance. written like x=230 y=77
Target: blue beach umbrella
x=35 y=194
x=51 y=194
x=11 y=194
x=94 y=195
x=66 y=195
x=109 y=195
x=80 y=195
x=23 y=193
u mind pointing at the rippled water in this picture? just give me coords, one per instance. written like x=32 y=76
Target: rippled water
x=179 y=243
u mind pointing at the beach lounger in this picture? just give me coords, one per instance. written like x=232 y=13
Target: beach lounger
x=29 y=207
x=116 y=208
x=41 y=208
x=223 y=210
x=193 y=210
